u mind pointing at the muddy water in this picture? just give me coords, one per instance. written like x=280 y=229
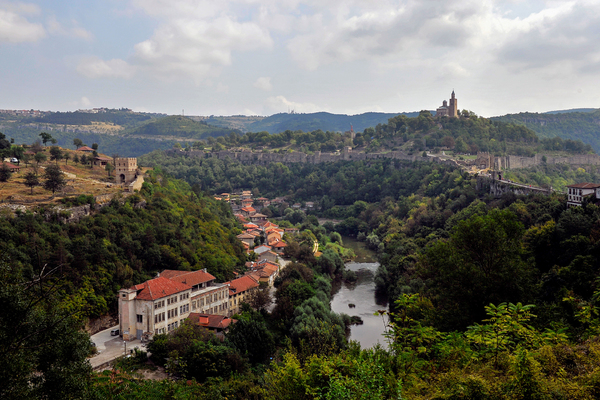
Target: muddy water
x=362 y=294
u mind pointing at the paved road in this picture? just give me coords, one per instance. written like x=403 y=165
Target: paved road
x=110 y=347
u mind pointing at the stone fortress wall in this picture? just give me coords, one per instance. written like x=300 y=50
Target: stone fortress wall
x=249 y=157
x=486 y=160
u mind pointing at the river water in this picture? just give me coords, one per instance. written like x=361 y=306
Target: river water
x=362 y=294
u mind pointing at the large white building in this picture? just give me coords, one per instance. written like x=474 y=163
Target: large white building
x=161 y=304
x=577 y=192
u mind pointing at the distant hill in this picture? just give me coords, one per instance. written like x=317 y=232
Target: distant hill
x=321 y=120
x=572 y=110
x=578 y=125
x=178 y=127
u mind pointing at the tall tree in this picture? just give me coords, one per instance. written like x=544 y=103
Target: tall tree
x=67 y=157
x=46 y=137
x=31 y=180
x=55 y=179
x=77 y=143
x=56 y=153
x=40 y=157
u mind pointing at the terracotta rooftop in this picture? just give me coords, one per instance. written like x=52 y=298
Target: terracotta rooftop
x=280 y=244
x=190 y=278
x=245 y=236
x=241 y=284
x=211 y=321
x=159 y=287
x=85 y=148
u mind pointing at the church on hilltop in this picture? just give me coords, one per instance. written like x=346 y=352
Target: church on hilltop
x=448 y=110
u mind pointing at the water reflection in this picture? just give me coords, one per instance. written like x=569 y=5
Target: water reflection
x=362 y=295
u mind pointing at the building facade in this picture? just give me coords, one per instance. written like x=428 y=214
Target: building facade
x=160 y=305
x=448 y=110
x=576 y=193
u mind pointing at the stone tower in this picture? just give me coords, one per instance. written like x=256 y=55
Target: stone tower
x=453 y=109
x=125 y=169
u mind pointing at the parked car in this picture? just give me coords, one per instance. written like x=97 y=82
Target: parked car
x=114 y=332
x=14 y=160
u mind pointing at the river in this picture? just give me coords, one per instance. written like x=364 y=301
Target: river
x=362 y=295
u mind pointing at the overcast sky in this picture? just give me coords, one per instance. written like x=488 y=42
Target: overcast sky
x=262 y=57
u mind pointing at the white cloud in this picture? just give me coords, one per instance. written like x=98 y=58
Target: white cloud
x=16 y=29
x=278 y=104
x=85 y=102
x=264 y=83
x=56 y=28
x=94 y=67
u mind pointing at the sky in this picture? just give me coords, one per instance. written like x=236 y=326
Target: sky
x=261 y=57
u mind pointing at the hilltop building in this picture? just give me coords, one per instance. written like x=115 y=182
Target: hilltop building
x=448 y=110
x=577 y=192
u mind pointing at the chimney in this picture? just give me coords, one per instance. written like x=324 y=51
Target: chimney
x=203 y=320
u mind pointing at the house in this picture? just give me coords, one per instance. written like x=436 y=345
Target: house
x=101 y=161
x=577 y=192
x=12 y=167
x=279 y=247
x=268 y=255
x=246 y=238
x=247 y=211
x=86 y=149
x=240 y=290
x=161 y=304
x=215 y=323
x=258 y=217
x=262 y=249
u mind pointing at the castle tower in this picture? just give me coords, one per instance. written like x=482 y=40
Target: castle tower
x=126 y=169
x=453 y=109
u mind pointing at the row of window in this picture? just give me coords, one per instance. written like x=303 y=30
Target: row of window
x=159 y=317
x=184 y=309
x=184 y=296
x=172 y=300
x=172 y=326
x=172 y=313
x=159 y=304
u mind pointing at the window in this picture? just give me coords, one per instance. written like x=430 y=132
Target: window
x=140 y=318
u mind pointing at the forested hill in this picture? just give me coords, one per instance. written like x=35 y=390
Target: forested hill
x=178 y=127
x=321 y=120
x=584 y=126
x=166 y=226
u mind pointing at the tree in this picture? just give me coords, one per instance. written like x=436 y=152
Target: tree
x=77 y=143
x=76 y=159
x=31 y=180
x=84 y=159
x=43 y=350
x=481 y=263
x=5 y=173
x=66 y=156
x=4 y=144
x=109 y=168
x=55 y=179
x=95 y=146
x=46 y=137
x=56 y=153
x=40 y=157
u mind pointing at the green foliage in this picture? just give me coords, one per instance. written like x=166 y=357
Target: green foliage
x=5 y=172
x=54 y=178
x=43 y=350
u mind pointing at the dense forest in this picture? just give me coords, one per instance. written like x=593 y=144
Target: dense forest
x=465 y=135
x=491 y=298
x=569 y=125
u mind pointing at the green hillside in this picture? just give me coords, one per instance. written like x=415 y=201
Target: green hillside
x=178 y=126
x=584 y=126
x=322 y=120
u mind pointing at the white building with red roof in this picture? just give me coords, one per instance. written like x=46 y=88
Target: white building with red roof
x=161 y=304
x=577 y=192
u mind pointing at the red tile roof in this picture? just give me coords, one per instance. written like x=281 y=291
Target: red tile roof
x=211 y=321
x=190 y=278
x=85 y=148
x=241 y=284
x=159 y=287
x=248 y=209
x=280 y=244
